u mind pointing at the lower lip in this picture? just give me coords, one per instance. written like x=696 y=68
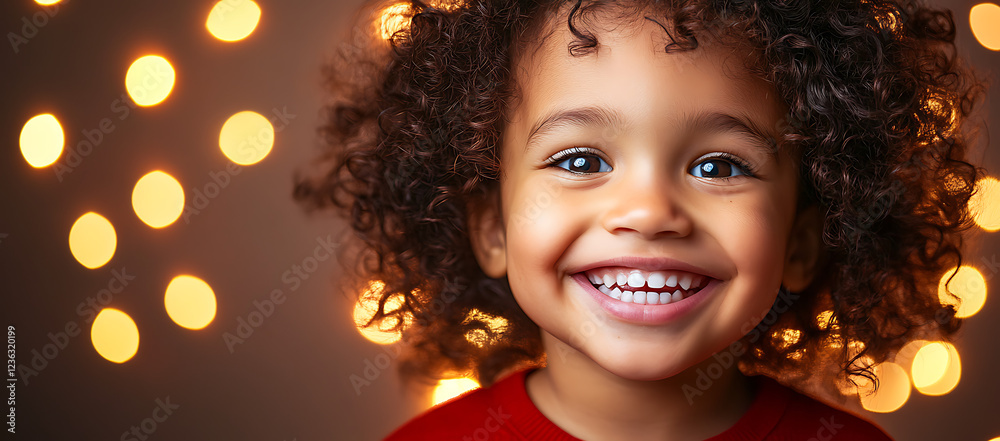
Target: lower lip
x=647 y=314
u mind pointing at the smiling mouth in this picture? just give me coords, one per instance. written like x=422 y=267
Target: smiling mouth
x=646 y=287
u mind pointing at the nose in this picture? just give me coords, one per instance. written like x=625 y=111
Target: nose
x=648 y=206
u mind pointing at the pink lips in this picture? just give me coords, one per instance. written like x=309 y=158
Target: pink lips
x=646 y=314
x=642 y=313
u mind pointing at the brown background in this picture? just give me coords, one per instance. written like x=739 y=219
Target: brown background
x=290 y=379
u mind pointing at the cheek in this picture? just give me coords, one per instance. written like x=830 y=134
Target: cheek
x=537 y=230
x=755 y=238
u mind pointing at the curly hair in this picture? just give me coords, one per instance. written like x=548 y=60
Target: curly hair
x=877 y=103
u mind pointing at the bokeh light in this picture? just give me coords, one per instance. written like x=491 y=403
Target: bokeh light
x=47 y=2
x=42 y=140
x=92 y=240
x=246 y=138
x=190 y=302
x=149 y=80
x=393 y=19
x=397 y=16
x=893 y=389
x=233 y=21
x=937 y=369
x=382 y=332
x=158 y=199
x=826 y=320
x=929 y=364
x=114 y=335
x=970 y=288
x=985 y=204
x=984 y=19
x=495 y=325
x=451 y=388
x=785 y=338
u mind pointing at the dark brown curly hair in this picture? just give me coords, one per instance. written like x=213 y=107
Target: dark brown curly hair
x=877 y=103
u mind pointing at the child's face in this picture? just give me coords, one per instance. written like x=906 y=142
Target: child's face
x=661 y=174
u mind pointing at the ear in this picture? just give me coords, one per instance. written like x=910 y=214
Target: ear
x=805 y=246
x=486 y=232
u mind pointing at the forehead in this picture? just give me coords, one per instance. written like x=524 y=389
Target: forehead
x=632 y=73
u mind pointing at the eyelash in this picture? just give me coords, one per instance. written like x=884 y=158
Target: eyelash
x=557 y=158
x=748 y=170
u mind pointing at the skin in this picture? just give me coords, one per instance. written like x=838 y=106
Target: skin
x=643 y=200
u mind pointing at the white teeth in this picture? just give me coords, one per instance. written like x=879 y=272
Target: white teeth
x=656 y=280
x=685 y=281
x=639 y=297
x=627 y=296
x=635 y=280
x=641 y=285
x=664 y=298
x=652 y=298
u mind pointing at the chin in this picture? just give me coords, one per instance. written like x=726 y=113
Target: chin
x=643 y=367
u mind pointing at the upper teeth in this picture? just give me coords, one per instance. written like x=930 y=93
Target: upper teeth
x=632 y=278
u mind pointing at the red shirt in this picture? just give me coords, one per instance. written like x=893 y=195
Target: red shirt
x=504 y=412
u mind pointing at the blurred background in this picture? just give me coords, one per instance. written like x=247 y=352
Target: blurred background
x=158 y=281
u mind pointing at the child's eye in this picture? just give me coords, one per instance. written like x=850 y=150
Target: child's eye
x=720 y=168
x=580 y=161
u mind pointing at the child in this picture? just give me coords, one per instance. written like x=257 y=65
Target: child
x=617 y=211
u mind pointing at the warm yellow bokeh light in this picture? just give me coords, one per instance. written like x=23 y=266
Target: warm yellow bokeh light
x=480 y=337
x=985 y=204
x=393 y=18
x=826 y=320
x=246 y=138
x=47 y=2
x=149 y=80
x=937 y=369
x=984 y=19
x=380 y=332
x=92 y=240
x=190 y=302
x=893 y=389
x=451 y=388
x=158 y=199
x=42 y=140
x=929 y=364
x=970 y=288
x=785 y=338
x=115 y=335
x=233 y=20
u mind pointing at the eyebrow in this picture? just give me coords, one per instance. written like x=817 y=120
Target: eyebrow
x=704 y=122
x=741 y=124
x=589 y=116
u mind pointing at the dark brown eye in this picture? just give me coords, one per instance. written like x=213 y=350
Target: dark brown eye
x=716 y=168
x=584 y=163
